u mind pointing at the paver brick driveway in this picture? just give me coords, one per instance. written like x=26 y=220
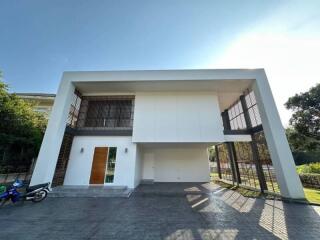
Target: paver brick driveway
x=162 y=211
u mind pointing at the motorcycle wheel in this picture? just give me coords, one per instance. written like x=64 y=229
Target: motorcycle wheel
x=39 y=196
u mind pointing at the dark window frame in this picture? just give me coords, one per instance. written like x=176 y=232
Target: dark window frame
x=236 y=117
x=74 y=109
x=107 y=112
x=253 y=110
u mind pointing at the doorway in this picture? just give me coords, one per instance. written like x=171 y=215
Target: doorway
x=103 y=165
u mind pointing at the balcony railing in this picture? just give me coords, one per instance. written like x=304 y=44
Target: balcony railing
x=100 y=113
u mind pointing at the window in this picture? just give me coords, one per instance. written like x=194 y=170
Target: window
x=236 y=116
x=253 y=110
x=106 y=112
x=74 y=109
x=111 y=164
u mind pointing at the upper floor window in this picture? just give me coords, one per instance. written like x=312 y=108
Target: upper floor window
x=253 y=110
x=236 y=116
x=237 y=111
x=74 y=109
x=106 y=112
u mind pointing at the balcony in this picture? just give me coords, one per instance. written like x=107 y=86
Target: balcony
x=102 y=116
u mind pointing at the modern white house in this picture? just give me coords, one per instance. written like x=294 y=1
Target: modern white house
x=121 y=128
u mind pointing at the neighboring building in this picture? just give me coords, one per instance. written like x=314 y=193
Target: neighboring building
x=43 y=101
x=120 y=128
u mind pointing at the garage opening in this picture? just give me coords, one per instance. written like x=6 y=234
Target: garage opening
x=175 y=163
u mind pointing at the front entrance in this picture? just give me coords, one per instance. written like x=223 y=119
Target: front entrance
x=103 y=165
x=99 y=165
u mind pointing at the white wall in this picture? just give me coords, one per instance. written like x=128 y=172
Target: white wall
x=138 y=167
x=177 y=117
x=79 y=166
x=51 y=143
x=148 y=165
x=176 y=164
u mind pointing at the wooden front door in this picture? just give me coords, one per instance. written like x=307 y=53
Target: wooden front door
x=99 y=162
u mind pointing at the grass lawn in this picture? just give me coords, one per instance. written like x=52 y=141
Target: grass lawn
x=246 y=192
x=312 y=195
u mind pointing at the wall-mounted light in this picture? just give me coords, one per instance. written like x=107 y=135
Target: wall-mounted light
x=126 y=150
x=82 y=150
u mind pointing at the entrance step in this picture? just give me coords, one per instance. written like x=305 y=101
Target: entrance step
x=176 y=189
x=90 y=191
x=147 y=181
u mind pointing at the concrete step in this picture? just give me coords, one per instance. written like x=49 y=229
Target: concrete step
x=91 y=191
x=175 y=189
x=147 y=181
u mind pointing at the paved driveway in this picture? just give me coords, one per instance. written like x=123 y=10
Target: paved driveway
x=162 y=211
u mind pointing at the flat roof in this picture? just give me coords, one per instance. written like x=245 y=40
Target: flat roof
x=152 y=75
x=228 y=84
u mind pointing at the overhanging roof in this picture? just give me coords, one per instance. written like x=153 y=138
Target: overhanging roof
x=228 y=84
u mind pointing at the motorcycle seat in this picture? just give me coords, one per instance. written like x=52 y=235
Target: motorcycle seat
x=34 y=187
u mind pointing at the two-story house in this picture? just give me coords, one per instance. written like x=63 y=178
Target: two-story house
x=120 y=128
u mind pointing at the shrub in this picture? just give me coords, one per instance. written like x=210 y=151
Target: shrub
x=306 y=157
x=309 y=168
x=310 y=180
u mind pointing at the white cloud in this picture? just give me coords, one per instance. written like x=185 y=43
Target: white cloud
x=290 y=55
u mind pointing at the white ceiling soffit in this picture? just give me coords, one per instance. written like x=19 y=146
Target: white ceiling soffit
x=168 y=85
x=228 y=91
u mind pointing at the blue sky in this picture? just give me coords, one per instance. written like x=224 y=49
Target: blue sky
x=39 y=39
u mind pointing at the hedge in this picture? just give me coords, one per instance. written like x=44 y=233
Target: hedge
x=309 y=168
x=306 y=157
x=310 y=180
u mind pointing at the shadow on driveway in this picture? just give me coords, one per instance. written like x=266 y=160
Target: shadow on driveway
x=162 y=211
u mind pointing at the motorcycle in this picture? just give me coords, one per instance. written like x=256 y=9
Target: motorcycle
x=35 y=193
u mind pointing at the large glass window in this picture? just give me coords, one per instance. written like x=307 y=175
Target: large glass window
x=111 y=164
x=106 y=112
x=253 y=110
x=236 y=116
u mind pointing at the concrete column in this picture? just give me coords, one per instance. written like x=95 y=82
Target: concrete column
x=49 y=151
x=281 y=156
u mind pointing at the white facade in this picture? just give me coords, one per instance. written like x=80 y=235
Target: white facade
x=176 y=117
x=165 y=117
x=79 y=166
x=176 y=163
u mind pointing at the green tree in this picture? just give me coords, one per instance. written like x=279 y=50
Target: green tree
x=304 y=133
x=21 y=130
